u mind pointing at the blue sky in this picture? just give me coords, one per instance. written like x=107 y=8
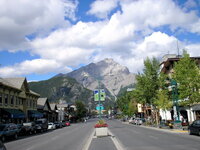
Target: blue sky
x=41 y=39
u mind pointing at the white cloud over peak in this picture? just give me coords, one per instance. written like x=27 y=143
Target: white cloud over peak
x=102 y=8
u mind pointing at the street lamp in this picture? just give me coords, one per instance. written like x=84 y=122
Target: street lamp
x=175 y=99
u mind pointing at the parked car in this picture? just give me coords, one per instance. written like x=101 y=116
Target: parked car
x=41 y=125
x=67 y=123
x=28 y=128
x=51 y=126
x=131 y=120
x=58 y=124
x=139 y=121
x=2 y=146
x=194 y=128
x=8 y=130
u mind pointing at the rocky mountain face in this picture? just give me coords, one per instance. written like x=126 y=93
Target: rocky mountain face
x=109 y=73
x=79 y=84
x=61 y=87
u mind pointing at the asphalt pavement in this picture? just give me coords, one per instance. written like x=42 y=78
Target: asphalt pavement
x=126 y=136
x=134 y=137
x=68 y=138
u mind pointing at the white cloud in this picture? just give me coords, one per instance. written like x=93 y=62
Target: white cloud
x=102 y=8
x=20 y=18
x=128 y=36
x=39 y=66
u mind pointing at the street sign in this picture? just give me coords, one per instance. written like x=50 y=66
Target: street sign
x=102 y=95
x=96 y=95
x=99 y=107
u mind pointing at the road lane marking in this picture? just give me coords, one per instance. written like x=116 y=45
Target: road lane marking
x=88 y=142
x=154 y=137
x=116 y=142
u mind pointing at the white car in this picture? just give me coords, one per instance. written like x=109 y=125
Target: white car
x=131 y=120
x=51 y=126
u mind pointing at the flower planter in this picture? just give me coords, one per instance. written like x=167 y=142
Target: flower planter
x=103 y=131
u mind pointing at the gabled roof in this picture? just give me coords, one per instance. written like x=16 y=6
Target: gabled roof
x=16 y=82
x=8 y=84
x=41 y=102
x=53 y=106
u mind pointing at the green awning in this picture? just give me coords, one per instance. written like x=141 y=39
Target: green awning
x=35 y=114
x=14 y=113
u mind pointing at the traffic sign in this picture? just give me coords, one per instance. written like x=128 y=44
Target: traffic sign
x=99 y=107
x=100 y=96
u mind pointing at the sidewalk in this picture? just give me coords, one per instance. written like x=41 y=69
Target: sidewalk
x=161 y=129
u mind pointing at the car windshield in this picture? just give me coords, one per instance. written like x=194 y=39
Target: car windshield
x=38 y=122
x=2 y=127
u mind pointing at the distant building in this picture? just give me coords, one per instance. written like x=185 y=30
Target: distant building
x=43 y=107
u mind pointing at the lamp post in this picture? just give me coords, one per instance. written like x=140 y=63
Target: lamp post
x=175 y=99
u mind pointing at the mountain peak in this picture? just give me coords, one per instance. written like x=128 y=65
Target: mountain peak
x=111 y=74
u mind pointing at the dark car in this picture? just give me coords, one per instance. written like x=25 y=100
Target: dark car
x=8 y=130
x=58 y=124
x=2 y=146
x=28 y=128
x=194 y=128
x=41 y=125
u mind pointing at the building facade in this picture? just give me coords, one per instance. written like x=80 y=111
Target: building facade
x=16 y=100
x=189 y=113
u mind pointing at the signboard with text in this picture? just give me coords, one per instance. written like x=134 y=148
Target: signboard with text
x=100 y=96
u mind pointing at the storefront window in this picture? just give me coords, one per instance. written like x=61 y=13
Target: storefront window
x=1 y=98
x=30 y=103
x=16 y=101
x=6 y=99
x=12 y=100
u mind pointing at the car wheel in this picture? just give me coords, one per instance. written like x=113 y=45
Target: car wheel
x=189 y=131
x=16 y=136
x=3 y=138
x=199 y=133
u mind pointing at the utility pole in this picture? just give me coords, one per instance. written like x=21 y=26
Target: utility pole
x=99 y=99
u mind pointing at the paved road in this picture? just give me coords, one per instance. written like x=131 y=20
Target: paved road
x=140 y=138
x=68 y=138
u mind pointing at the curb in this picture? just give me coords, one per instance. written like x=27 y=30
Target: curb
x=116 y=142
x=88 y=142
x=165 y=130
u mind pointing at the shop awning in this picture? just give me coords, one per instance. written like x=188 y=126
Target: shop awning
x=14 y=113
x=35 y=114
x=196 y=107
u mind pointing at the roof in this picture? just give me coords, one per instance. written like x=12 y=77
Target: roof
x=32 y=92
x=170 y=61
x=62 y=105
x=41 y=101
x=16 y=82
x=8 y=84
x=53 y=106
